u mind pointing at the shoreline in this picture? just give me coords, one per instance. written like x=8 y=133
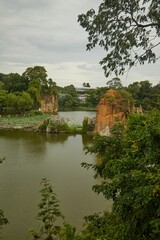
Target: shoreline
x=38 y=124
x=25 y=123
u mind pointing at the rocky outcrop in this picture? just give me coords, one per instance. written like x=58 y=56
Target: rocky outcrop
x=49 y=103
x=115 y=105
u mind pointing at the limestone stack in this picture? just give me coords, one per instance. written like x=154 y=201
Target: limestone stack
x=49 y=103
x=115 y=105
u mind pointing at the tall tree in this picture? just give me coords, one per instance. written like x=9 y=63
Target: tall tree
x=36 y=73
x=128 y=30
x=114 y=83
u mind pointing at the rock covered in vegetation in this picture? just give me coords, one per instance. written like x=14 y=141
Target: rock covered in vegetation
x=115 y=105
x=88 y=124
x=45 y=123
x=57 y=124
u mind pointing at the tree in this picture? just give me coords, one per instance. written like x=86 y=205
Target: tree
x=156 y=96
x=38 y=73
x=14 y=82
x=128 y=30
x=12 y=102
x=68 y=97
x=86 y=85
x=143 y=94
x=94 y=95
x=19 y=102
x=3 y=101
x=35 y=95
x=24 y=102
x=114 y=83
x=39 y=84
x=50 y=87
x=71 y=101
x=49 y=213
x=71 y=90
x=3 y=219
x=129 y=168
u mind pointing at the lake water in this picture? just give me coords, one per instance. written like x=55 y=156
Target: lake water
x=31 y=156
x=77 y=116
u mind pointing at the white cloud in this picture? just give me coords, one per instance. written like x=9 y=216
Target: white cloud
x=46 y=33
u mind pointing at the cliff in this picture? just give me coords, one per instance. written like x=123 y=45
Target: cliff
x=49 y=103
x=115 y=105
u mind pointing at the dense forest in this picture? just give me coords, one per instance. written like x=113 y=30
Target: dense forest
x=22 y=93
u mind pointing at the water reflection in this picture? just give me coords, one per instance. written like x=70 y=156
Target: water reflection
x=87 y=139
x=30 y=156
x=56 y=138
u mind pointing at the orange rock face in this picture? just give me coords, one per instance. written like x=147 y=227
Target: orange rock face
x=114 y=106
x=49 y=104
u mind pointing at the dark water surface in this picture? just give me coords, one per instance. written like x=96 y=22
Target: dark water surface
x=29 y=158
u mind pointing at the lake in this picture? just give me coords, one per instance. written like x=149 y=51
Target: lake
x=31 y=156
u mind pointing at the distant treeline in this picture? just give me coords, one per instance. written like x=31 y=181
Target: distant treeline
x=143 y=93
x=21 y=93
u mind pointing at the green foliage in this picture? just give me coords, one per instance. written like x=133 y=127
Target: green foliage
x=35 y=113
x=49 y=88
x=38 y=73
x=35 y=98
x=114 y=83
x=24 y=102
x=87 y=125
x=18 y=102
x=121 y=99
x=100 y=227
x=14 y=82
x=145 y=95
x=68 y=98
x=94 y=96
x=3 y=219
x=59 y=127
x=127 y=30
x=130 y=171
x=3 y=100
x=49 y=213
x=23 y=93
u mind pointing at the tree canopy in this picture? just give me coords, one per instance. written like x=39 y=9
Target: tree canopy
x=128 y=31
x=114 y=83
x=129 y=170
x=20 y=93
x=37 y=72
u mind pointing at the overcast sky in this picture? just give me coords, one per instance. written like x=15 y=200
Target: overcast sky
x=46 y=33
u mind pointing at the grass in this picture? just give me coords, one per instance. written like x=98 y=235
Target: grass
x=21 y=121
